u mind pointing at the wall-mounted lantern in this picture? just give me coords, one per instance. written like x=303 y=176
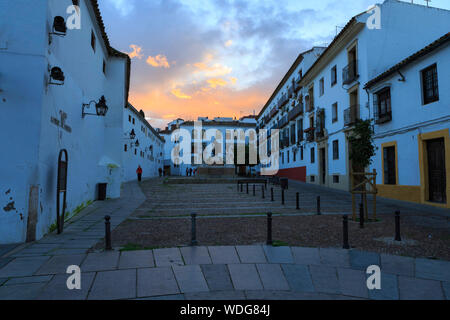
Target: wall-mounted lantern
x=56 y=74
x=59 y=28
x=100 y=107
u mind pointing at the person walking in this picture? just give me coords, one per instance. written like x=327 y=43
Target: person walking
x=190 y=172
x=139 y=173
x=160 y=172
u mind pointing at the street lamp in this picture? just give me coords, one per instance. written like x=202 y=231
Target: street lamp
x=100 y=107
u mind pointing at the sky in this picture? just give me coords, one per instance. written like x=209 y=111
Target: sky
x=218 y=58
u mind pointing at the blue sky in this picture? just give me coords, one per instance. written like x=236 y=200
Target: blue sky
x=218 y=57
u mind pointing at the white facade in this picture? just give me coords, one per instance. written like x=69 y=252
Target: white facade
x=373 y=50
x=219 y=124
x=409 y=122
x=38 y=120
x=149 y=154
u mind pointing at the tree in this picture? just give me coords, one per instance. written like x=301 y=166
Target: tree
x=362 y=147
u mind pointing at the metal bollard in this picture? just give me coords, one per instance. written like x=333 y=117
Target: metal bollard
x=271 y=195
x=297 y=200
x=194 y=241
x=361 y=216
x=282 y=196
x=108 y=245
x=269 y=229
x=263 y=196
x=397 y=226
x=345 y=223
x=254 y=190
x=319 y=212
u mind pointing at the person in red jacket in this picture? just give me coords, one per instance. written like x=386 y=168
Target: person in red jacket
x=139 y=173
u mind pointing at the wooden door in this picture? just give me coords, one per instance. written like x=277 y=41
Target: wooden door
x=436 y=170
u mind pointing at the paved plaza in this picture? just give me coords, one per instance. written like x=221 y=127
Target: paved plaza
x=254 y=272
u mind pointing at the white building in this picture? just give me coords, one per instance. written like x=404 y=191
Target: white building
x=220 y=124
x=42 y=115
x=411 y=107
x=145 y=149
x=317 y=103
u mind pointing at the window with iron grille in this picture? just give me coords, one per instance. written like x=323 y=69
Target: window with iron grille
x=300 y=130
x=335 y=179
x=301 y=153
x=389 y=165
x=313 y=155
x=288 y=157
x=335 y=149
x=333 y=76
x=322 y=86
x=383 y=105
x=430 y=84
x=125 y=148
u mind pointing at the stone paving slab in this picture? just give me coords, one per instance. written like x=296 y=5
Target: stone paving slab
x=218 y=295
x=223 y=255
x=136 y=259
x=156 y=282
x=446 y=287
x=272 y=277
x=334 y=257
x=353 y=283
x=25 y=280
x=57 y=288
x=4 y=261
x=251 y=254
x=397 y=265
x=298 y=277
x=22 y=267
x=190 y=279
x=278 y=254
x=325 y=279
x=195 y=255
x=27 y=291
x=59 y=264
x=361 y=260
x=306 y=256
x=433 y=269
x=245 y=277
x=429 y=289
x=114 y=285
x=218 y=277
x=389 y=288
x=68 y=252
x=173 y=297
x=102 y=261
x=168 y=257
x=283 y=295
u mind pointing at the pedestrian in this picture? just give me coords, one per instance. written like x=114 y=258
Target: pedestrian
x=160 y=172
x=139 y=173
x=187 y=172
x=190 y=172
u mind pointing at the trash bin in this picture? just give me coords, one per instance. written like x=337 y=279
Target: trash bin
x=102 y=191
x=284 y=183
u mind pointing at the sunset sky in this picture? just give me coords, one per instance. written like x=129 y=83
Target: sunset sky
x=213 y=58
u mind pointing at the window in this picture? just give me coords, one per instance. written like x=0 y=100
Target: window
x=293 y=133
x=125 y=148
x=135 y=152
x=134 y=121
x=335 y=149
x=313 y=155
x=282 y=158
x=334 y=110
x=389 y=165
x=322 y=86
x=383 y=105
x=430 y=84
x=288 y=157
x=104 y=67
x=335 y=179
x=312 y=178
x=93 y=40
x=129 y=118
x=295 y=155
x=300 y=130
x=301 y=153
x=333 y=76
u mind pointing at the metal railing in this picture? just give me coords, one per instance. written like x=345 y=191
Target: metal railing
x=350 y=72
x=351 y=115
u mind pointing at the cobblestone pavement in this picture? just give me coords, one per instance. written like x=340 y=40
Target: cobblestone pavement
x=199 y=273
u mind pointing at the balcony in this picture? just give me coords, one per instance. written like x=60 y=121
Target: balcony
x=310 y=134
x=351 y=115
x=350 y=72
x=309 y=105
x=296 y=111
x=300 y=136
x=283 y=122
x=382 y=116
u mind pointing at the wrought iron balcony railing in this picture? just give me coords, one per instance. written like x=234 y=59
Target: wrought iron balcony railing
x=351 y=115
x=350 y=72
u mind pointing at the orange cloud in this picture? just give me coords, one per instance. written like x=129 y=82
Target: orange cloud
x=177 y=93
x=160 y=61
x=233 y=80
x=136 y=53
x=229 y=43
x=214 y=83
